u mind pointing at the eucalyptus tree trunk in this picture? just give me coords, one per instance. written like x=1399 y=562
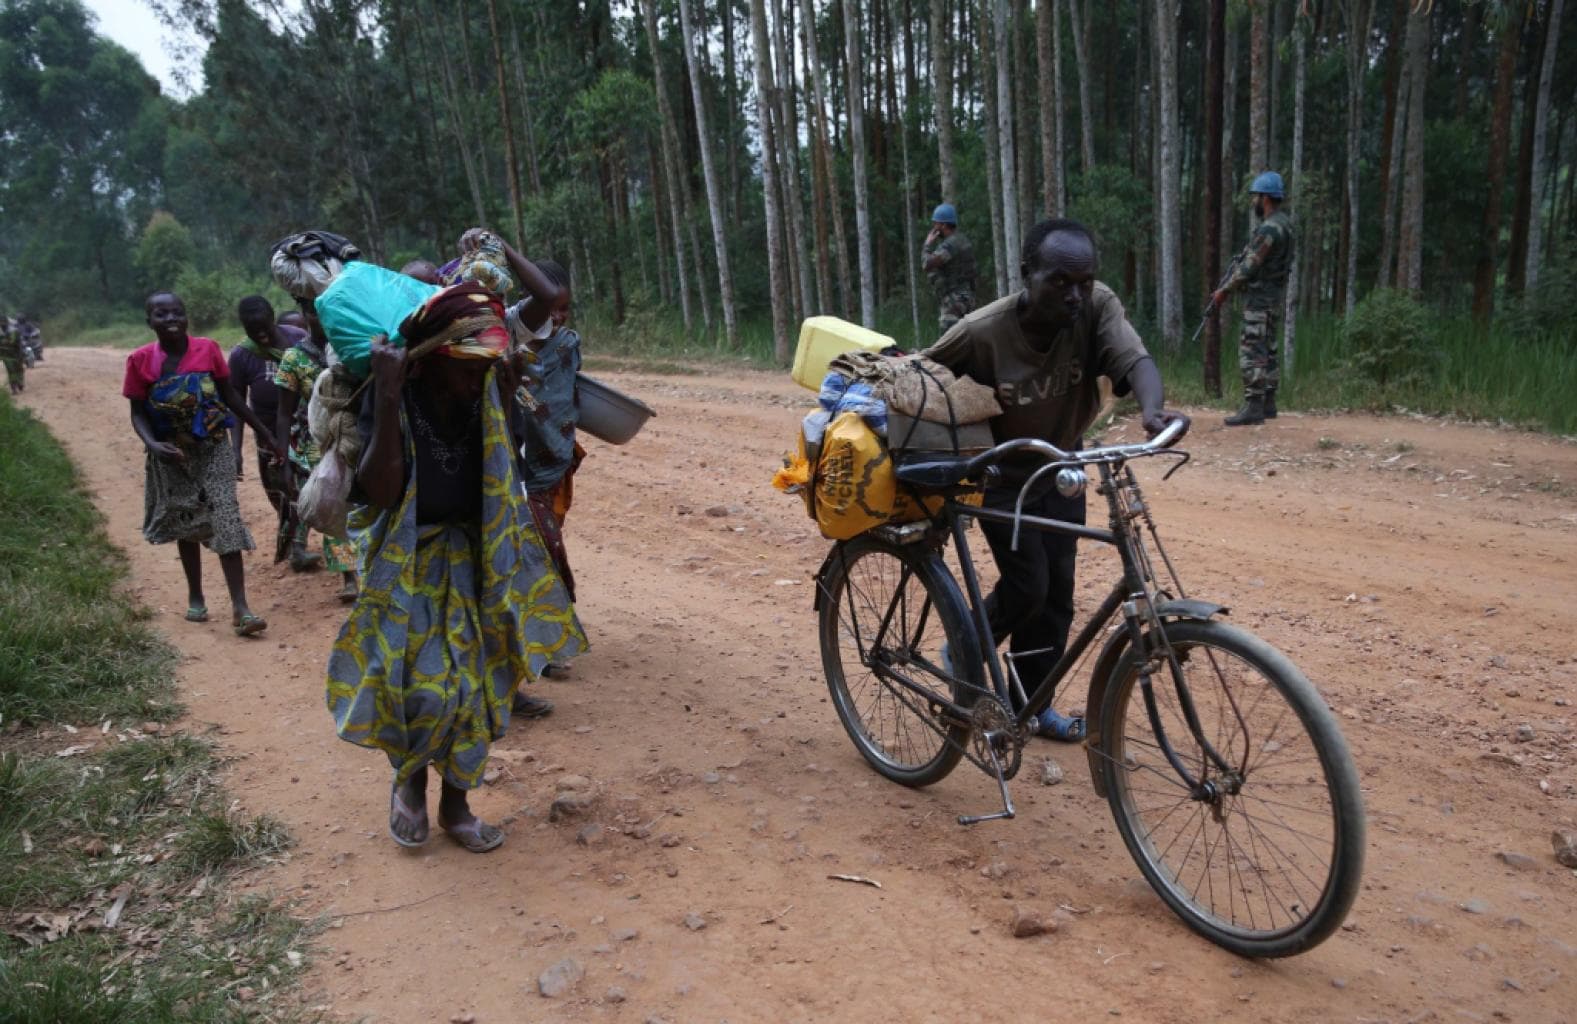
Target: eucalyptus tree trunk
x=911 y=253
x=985 y=52
x=1049 y=63
x=1259 y=86
x=511 y=161
x=818 y=177
x=1495 y=174
x=777 y=270
x=1229 y=100
x=1003 y=25
x=533 y=166
x=862 y=213
x=942 y=93
x=789 y=149
x=714 y=189
x=1359 y=13
x=1215 y=38
x=1023 y=114
x=1410 y=246
x=1391 y=176
x=668 y=142
x=1081 y=57
x=1171 y=222
x=456 y=123
x=1289 y=328
x=1543 y=184
x=840 y=242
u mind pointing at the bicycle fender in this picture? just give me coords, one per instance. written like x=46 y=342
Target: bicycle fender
x=1106 y=665
x=821 y=577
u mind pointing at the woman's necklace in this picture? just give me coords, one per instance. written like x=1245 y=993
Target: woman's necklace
x=450 y=457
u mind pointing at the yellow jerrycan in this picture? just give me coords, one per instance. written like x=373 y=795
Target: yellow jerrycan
x=823 y=339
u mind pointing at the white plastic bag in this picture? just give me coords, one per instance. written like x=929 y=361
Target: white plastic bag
x=324 y=501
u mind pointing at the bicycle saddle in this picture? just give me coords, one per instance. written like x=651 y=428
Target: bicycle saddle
x=935 y=473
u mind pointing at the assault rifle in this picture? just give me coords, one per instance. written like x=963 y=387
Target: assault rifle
x=1210 y=307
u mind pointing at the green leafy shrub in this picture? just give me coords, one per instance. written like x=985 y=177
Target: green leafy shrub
x=1390 y=345
x=164 y=253
x=211 y=295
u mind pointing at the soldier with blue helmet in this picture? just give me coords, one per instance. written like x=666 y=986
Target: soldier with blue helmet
x=1261 y=272
x=949 y=264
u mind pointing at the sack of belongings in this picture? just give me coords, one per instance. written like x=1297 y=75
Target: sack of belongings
x=844 y=466
x=304 y=263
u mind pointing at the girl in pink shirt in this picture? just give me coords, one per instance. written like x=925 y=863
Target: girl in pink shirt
x=182 y=405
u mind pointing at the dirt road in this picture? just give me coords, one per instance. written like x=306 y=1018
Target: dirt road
x=1424 y=575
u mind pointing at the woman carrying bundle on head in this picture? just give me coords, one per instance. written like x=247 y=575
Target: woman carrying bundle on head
x=459 y=601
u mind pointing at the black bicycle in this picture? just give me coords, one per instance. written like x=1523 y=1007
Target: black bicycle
x=1231 y=783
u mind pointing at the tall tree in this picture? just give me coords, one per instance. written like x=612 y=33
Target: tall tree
x=987 y=56
x=1002 y=26
x=911 y=253
x=511 y=162
x=1259 y=86
x=1359 y=16
x=672 y=174
x=829 y=170
x=1543 y=182
x=788 y=148
x=1410 y=243
x=942 y=93
x=1079 y=11
x=1169 y=170
x=777 y=269
x=1215 y=40
x=714 y=188
x=1392 y=156
x=1495 y=173
x=1049 y=63
x=1289 y=323
x=862 y=213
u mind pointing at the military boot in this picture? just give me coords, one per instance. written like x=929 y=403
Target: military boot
x=1252 y=413
x=1270 y=403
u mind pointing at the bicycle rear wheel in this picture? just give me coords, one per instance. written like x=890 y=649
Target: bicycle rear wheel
x=1264 y=860
x=886 y=612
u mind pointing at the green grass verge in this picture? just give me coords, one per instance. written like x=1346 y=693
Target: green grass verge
x=73 y=647
x=115 y=840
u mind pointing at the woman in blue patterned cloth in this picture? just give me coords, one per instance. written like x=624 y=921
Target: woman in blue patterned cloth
x=459 y=601
x=181 y=406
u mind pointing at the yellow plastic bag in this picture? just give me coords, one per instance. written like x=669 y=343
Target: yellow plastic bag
x=854 y=482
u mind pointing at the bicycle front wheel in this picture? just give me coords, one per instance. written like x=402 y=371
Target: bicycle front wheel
x=887 y=611
x=1263 y=856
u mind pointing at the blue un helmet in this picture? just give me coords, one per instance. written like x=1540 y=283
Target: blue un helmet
x=945 y=214
x=1269 y=184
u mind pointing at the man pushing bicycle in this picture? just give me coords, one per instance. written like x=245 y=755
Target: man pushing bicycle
x=1043 y=350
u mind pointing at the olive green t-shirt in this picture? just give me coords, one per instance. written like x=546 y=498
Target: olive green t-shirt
x=1050 y=394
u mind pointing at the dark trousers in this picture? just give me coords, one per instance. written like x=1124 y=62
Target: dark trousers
x=1032 y=604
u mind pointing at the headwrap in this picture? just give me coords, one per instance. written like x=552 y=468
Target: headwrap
x=465 y=321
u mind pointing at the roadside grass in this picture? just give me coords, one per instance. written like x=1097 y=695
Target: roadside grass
x=119 y=847
x=72 y=645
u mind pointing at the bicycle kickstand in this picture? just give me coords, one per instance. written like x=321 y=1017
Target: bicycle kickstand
x=1007 y=810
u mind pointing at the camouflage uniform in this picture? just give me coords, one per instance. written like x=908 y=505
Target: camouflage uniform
x=11 y=353
x=953 y=278
x=1261 y=274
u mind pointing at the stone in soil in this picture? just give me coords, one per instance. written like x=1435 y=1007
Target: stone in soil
x=1524 y=733
x=669 y=840
x=589 y=835
x=1475 y=906
x=1519 y=861
x=1050 y=772
x=1478 y=953
x=560 y=978
x=569 y=805
x=717 y=511
x=1564 y=840
x=615 y=994
x=693 y=921
x=625 y=935
x=998 y=870
x=1028 y=923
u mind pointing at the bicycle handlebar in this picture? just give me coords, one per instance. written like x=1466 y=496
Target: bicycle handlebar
x=1170 y=435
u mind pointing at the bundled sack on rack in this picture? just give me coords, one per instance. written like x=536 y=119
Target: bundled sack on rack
x=852 y=483
x=366 y=301
x=920 y=387
x=305 y=263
